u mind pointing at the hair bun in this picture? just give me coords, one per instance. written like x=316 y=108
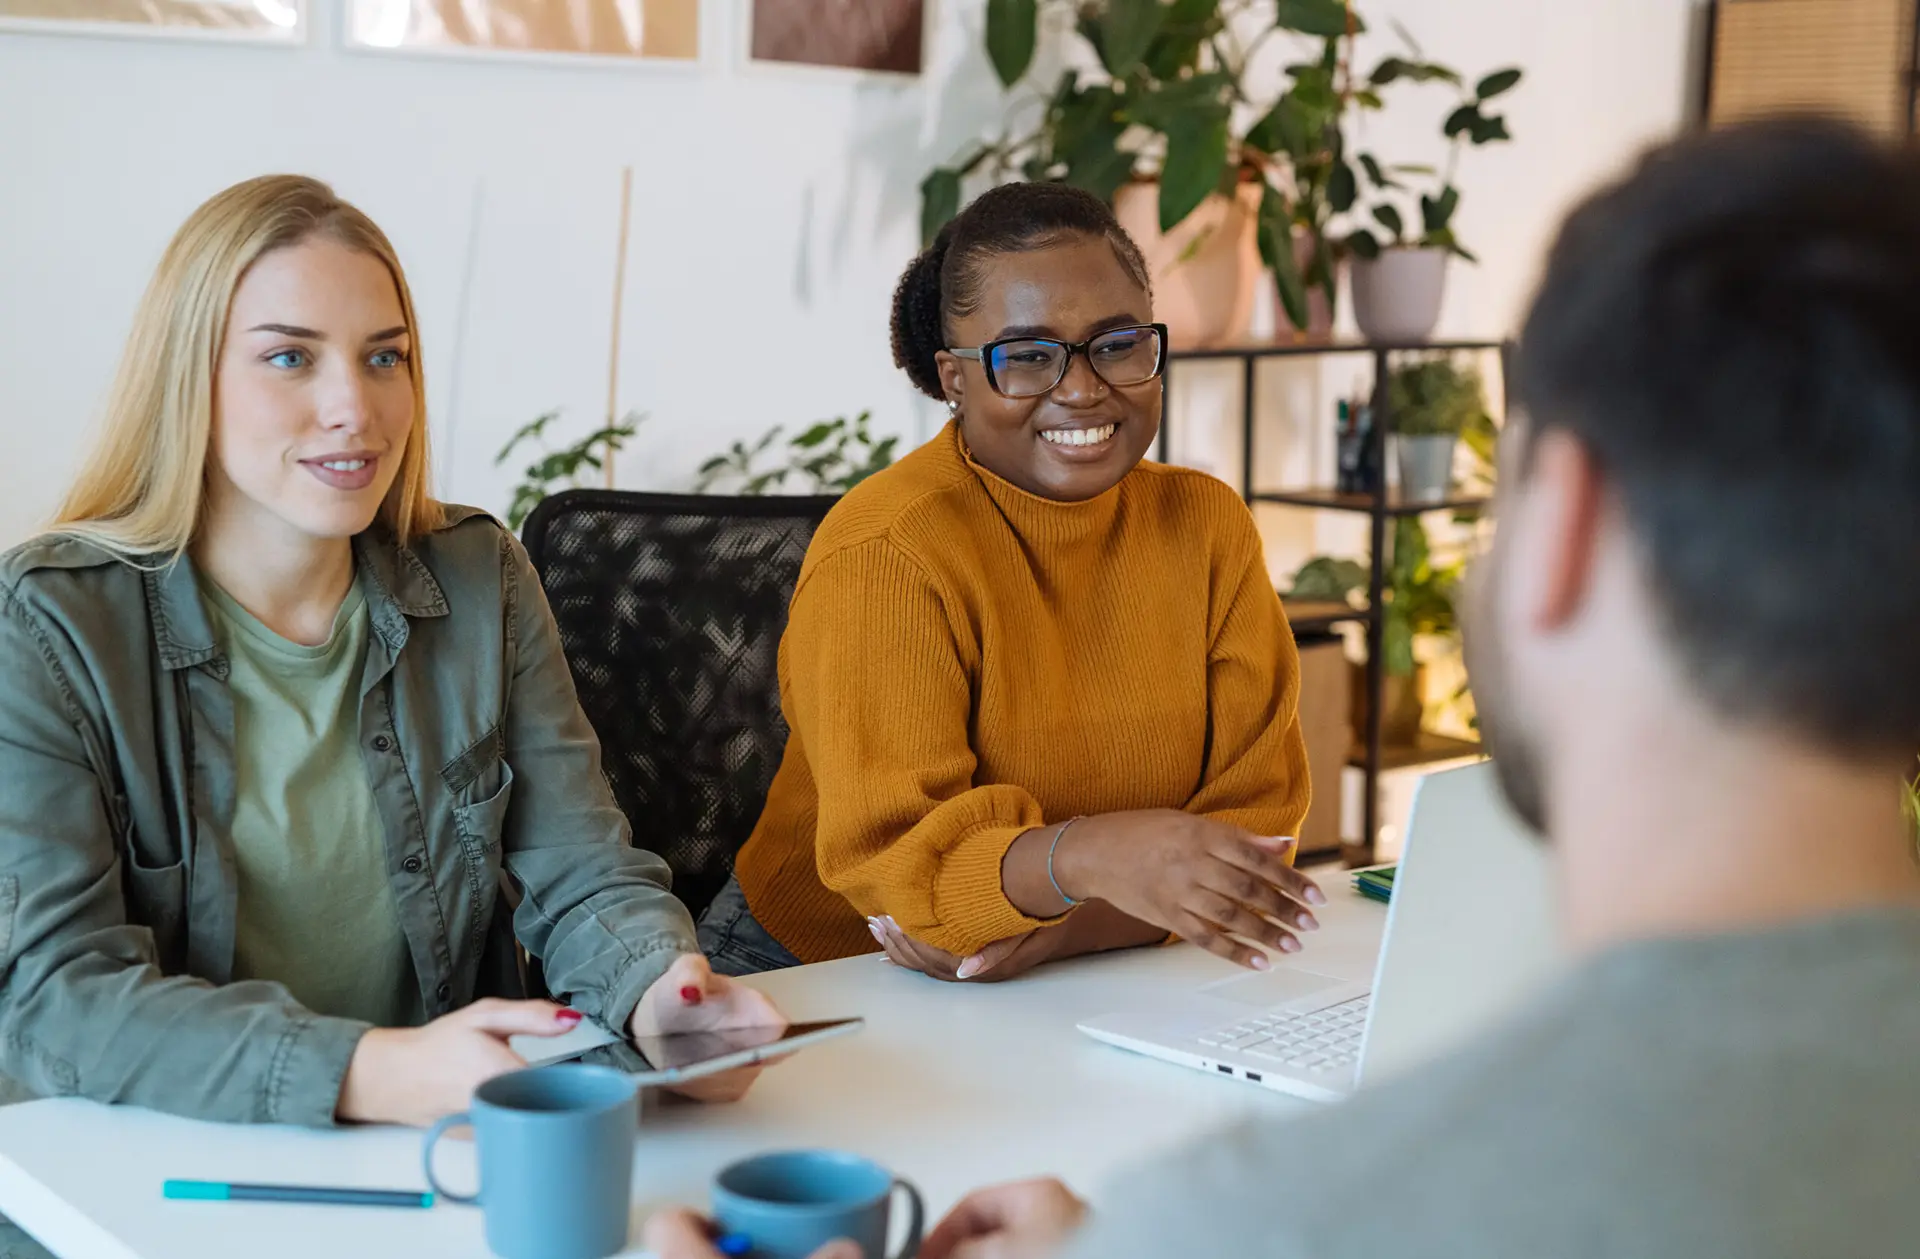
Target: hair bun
x=917 y=336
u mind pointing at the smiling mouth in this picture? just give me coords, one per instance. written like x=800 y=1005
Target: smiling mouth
x=1079 y=436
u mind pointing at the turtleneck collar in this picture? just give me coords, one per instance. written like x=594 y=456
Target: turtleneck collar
x=1044 y=522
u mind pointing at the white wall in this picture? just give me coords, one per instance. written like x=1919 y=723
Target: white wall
x=773 y=211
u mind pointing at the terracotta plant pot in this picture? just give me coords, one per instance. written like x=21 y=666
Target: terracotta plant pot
x=1320 y=309
x=1204 y=269
x=1402 y=707
x=1396 y=297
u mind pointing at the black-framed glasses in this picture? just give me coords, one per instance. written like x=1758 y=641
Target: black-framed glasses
x=1026 y=367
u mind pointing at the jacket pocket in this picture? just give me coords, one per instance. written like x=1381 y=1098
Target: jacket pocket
x=482 y=826
x=483 y=823
x=156 y=899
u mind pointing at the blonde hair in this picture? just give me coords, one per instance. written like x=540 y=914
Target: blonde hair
x=142 y=489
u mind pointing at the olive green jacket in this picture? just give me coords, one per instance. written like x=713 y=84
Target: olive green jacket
x=117 y=788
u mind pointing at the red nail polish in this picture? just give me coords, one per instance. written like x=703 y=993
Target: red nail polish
x=691 y=995
x=568 y=1017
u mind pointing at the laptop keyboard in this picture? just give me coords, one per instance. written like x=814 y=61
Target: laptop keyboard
x=1327 y=1039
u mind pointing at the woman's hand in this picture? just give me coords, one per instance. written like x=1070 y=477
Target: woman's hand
x=415 y=1075
x=1003 y=959
x=691 y=998
x=684 y=1235
x=1021 y=1221
x=1204 y=880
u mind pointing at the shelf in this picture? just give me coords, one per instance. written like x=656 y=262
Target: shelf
x=1305 y=348
x=1428 y=749
x=1396 y=505
x=1313 y=616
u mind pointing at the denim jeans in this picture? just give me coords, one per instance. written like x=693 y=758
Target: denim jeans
x=735 y=942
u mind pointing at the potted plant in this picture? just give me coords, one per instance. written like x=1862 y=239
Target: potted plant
x=1153 y=131
x=831 y=457
x=1430 y=403
x=1400 y=275
x=1419 y=601
x=1313 y=180
x=557 y=470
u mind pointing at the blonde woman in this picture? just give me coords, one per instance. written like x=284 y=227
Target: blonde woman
x=276 y=724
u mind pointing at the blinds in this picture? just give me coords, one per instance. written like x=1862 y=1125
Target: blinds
x=1850 y=58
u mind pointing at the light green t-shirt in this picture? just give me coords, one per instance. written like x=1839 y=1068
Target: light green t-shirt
x=316 y=909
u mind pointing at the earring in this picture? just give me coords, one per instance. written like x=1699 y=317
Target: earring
x=953 y=407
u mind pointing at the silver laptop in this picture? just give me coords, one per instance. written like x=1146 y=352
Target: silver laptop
x=1468 y=934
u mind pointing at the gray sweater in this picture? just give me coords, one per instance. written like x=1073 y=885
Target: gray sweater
x=1753 y=1095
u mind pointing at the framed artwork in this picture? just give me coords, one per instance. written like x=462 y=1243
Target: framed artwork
x=262 y=21
x=631 y=30
x=885 y=36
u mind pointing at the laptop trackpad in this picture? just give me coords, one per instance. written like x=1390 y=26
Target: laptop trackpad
x=1274 y=987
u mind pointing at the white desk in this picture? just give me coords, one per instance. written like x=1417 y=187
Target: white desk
x=953 y=1086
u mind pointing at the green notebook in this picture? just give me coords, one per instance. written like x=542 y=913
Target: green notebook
x=1375 y=883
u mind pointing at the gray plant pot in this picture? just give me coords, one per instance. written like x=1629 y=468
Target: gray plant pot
x=1396 y=297
x=1426 y=466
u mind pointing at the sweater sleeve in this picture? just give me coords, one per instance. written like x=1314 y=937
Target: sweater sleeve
x=1256 y=773
x=880 y=697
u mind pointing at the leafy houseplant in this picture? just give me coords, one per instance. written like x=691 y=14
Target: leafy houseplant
x=1399 y=276
x=1419 y=595
x=560 y=469
x=831 y=457
x=1913 y=807
x=1174 y=77
x=1431 y=402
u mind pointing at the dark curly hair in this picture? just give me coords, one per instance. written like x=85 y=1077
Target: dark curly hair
x=944 y=281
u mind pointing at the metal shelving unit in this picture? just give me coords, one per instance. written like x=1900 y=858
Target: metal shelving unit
x=1380 y=507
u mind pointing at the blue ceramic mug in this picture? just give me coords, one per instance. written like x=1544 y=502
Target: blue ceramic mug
x=786 y=1206
x=556 y=1160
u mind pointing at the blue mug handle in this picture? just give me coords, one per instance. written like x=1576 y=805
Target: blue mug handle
x=916 y=1220
x=465 y=1119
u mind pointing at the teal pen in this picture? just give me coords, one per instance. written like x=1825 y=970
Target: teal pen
x=220 y=1191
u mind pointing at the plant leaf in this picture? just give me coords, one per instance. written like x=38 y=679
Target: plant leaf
x=1371 y=165
x=1284 y=130
x=939 y=202
x=1387 y=71
x=1487 y=130
x=1342 y=188
x=1276 y=250
x=817 y=434
x=1013 y=30
x=1496 y=83
x=1196 y=163
x=531 y=430
x=1413 y=168
x=1364 y=244
x=1315 y=17
x=1389 y=217
x=1129 y=26
x=1461 y=119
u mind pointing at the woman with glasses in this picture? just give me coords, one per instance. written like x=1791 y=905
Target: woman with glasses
x=1043 y=698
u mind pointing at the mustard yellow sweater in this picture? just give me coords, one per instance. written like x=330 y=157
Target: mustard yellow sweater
x=966 y=661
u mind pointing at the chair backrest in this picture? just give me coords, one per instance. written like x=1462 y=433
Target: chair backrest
x=671 y=609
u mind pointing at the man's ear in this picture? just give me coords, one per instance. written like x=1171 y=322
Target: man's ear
x=1567 y=489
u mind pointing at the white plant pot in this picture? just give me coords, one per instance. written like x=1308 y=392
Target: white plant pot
x=1426 y=466
x=1396 y=297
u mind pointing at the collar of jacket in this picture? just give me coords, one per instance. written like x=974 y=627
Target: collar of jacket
x=397 y=582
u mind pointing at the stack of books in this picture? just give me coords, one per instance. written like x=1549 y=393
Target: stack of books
x=1374 y=882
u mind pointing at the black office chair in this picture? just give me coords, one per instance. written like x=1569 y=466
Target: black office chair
x=671 y=609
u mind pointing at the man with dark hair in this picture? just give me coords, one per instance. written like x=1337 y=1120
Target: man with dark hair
x=1696 y=647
